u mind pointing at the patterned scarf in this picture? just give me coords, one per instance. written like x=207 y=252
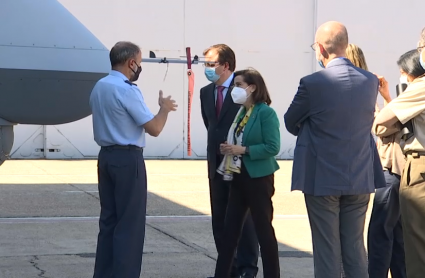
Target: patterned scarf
x=231 y=163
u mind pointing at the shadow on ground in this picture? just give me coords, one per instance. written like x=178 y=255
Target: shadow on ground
x=50 y=230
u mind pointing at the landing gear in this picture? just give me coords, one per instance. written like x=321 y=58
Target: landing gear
x=6 y=142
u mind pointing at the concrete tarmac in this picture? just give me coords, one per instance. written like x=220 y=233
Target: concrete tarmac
x=49 y=221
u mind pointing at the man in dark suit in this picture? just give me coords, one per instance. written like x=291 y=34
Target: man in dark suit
x=218 y=112
x=335 y=156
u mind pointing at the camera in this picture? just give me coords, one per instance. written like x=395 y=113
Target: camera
x=407 y=128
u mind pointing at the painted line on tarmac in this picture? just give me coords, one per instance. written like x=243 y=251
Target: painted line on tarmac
x=94 y=175
x=159 y=191
x=24 y=220
x=80 y=191
x=88 y=175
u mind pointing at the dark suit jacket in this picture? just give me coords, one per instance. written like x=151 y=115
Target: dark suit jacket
x=332 y=115
x=217 y=128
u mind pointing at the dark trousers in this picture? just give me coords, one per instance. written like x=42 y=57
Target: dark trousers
x=385 y=235
x=122 y=192
x=254 y=195
x=246 y=258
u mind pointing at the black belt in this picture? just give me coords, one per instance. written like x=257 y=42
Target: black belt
x=121 y=147
x=415 y=154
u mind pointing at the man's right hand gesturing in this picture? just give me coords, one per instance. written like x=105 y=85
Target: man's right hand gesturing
x=167 y=103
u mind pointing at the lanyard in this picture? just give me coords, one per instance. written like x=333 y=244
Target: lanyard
x=241 y=122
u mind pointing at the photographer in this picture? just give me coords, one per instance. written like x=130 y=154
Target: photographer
x=410 y=106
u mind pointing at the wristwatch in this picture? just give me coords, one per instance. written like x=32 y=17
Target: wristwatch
x=246 y=150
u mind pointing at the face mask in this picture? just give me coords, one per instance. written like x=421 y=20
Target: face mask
x=136 y=73
x=403 y=79
x=422 y=58
x=320 y=61
x=239 y=95
x=211 y=75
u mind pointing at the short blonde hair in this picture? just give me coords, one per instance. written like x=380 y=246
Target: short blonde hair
x=356 y=56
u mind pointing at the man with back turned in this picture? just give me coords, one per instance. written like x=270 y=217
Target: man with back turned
x=120 y=120
x=332 y=115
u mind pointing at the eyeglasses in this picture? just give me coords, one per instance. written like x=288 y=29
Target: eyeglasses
x=211 y=65
x=313 y=46
x=419 y=48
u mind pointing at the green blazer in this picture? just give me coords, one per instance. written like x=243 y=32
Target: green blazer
x=262 y=136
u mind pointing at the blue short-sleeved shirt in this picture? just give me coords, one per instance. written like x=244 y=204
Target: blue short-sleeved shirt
x=119 y=112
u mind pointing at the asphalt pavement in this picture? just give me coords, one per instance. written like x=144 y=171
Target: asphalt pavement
x=49 y=221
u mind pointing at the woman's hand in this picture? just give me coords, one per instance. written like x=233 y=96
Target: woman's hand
x=384 y=88
x=231 y=149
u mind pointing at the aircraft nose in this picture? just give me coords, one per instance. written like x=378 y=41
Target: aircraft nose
x=45 y=97
x=49 y=63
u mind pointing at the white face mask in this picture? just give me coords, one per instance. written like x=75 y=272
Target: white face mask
x=239 y=95
x=403 y=79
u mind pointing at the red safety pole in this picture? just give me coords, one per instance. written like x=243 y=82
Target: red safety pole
x=191 y=79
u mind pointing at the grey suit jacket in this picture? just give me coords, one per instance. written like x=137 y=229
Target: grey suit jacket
x=332 y=115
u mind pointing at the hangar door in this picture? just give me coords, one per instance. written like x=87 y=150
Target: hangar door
x=272 y=36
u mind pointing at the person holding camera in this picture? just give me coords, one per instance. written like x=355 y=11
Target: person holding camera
x=410 y=106
x=385 y=234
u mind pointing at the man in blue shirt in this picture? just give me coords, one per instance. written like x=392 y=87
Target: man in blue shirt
x=120 y=120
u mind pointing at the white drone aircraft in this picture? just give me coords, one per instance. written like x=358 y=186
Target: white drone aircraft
x=49 y=67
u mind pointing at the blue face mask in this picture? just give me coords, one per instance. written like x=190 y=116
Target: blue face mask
x=211 y=75
x=320 y=61
x=422 y=59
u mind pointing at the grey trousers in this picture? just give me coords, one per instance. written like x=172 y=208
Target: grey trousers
x=337 y=225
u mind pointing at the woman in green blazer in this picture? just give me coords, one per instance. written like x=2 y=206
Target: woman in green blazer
x=249 y=162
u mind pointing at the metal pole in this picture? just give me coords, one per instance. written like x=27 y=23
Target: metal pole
x=172 y=61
